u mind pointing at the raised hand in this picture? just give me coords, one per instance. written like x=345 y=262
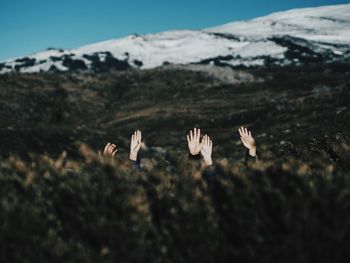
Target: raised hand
x=193 y=140
x=248 y=140
x=110 y=150
x=207 y=149
x=135 y=145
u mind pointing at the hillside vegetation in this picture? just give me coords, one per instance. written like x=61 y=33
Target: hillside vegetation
x=59 y=202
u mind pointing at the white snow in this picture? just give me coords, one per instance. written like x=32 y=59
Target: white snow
x=178 y=47
x=324 y=26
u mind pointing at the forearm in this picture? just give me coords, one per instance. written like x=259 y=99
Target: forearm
x=251 y=156
x=137 y=164
x=133 y=156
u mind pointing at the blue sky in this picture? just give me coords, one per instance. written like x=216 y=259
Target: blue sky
x=28 y=26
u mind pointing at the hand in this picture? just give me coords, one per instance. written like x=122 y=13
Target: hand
x=135 y=145
x=110 y=150
x=207 y=149
x=248 y=140
x=193 y=141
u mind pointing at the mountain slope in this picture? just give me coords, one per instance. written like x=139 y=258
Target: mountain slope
x=328 y=24
x=300 y=36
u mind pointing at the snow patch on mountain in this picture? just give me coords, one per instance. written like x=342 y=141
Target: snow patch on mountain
x=295 y=36
x=329 y=24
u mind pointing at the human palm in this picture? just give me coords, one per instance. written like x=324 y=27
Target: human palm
x=193 y=140
x=135 y=144
x=110 y=150
x=207 y=149
x=247 y=140
x=206 y=146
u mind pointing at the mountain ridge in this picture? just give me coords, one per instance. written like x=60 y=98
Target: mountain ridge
x=294 y=37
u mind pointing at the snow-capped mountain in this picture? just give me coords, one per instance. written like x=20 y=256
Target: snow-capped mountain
x=299 y=36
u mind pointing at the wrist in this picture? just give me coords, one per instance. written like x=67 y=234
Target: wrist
x=133 y=156
x=194 y=153
x=252 y=151
x=208 y=161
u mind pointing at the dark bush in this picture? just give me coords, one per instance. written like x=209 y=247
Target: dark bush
x=108 y=64
x=73 y=64
x=103 y=211
x=25 y=62
x=56 y=58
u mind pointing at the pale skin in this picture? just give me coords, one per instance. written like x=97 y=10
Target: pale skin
x=110 y=150
x=135 y=145
x=204 y=146
x=207 y=149
x=248 y=140
x=193 y=140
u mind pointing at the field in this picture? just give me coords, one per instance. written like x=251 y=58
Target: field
x=60 y=202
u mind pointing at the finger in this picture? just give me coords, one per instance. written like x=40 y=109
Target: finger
x=106 y=148
x=188 y=139
x=111 y=149
x=250 y=134
x=191 y=135
x=245 y=133
x=198 y=134
x=203 y=140
x=140 y=136
x=240 y=131
x=114 y=153
x=195 y=133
